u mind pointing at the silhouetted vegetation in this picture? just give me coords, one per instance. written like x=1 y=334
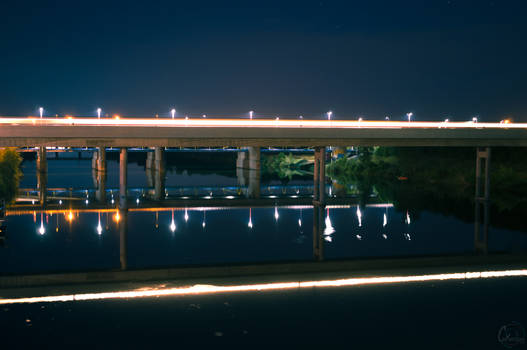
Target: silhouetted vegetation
x=286 y=166
x=437 y=179
x=9 y=174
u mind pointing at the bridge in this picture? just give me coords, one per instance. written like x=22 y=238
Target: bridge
x=152 y=132
x=252 y=135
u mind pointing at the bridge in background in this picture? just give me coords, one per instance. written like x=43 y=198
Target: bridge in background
x=252 y=135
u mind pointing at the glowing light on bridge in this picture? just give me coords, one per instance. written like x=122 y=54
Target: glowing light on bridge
x=329 y=114
x=259 y=123
x=99 y=110
x=41 y=111
x=409 y=116
x=173 y=113
x=251 y=114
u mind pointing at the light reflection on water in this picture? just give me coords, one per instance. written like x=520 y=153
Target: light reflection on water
x=73 y=240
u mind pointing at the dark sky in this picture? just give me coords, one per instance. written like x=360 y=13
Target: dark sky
x=371 y=58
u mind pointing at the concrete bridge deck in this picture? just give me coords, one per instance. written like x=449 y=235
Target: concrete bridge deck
x=137 y=132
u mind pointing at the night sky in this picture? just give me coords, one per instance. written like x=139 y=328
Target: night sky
x=438 y=59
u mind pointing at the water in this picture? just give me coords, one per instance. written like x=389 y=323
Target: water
x=206 y=219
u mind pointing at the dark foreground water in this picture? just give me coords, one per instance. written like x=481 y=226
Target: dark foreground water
x=453 y=315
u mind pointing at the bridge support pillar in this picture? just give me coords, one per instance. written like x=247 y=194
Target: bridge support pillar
x=123 y=233
x=42 y=175
x=123 y=178
x=159 y=175
x=42 y=182
x=100 y=193
x=482 y=199
x=98 y=161
x=248 y=171
x=42 y=163
x=319 y=176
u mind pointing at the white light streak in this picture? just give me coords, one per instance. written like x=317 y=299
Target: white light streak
x=384 y=220
x=329 y=114
x=41 y=111
x=99 y=113
x=173 y=113
x=251 y=114
x=359 y=216
x=209 y=289
x=259 y=123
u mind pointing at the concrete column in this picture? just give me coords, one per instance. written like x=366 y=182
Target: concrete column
x=123 y=233
x=42 y=163
x=159 y=174
x=123 y=178
x=42 y=182
x=249 y=159
x=319 y=176
x=101 y=159
x=481 y=200
x=150 y=160
x=248 y=171
x=318 y=232
x=100 y=194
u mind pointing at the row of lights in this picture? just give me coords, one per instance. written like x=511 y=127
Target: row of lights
x=409 y=116
x=251 y=113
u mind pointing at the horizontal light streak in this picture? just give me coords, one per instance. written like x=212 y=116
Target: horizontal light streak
x=210 y=289
x=262 y=123
x=13 y=212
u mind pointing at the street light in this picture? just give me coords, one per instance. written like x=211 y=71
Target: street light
x=99 y=113
x=173 y=112
x=409 y=115
x=251 y=114
x=41 y=111
x=329 y=114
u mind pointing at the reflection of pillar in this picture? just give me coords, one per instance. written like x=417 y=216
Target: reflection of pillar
x=481 y=200
x=123 y=228
x=319 y=176
x=42 y=181
x=248 y=171
x=149 y=168
x=318 y=231
x=159 y=175
x=123 y=180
